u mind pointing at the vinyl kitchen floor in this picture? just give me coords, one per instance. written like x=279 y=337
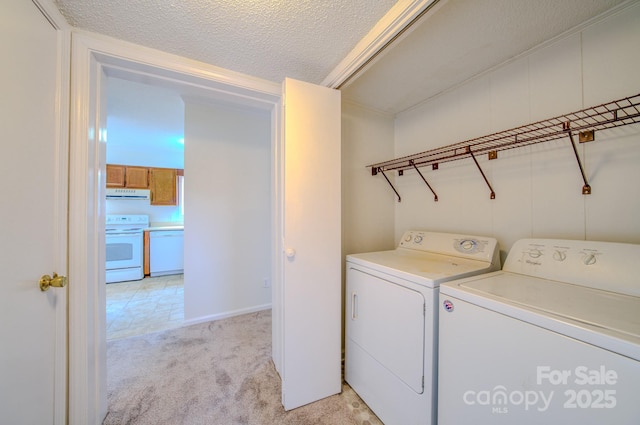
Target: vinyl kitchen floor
x=144 y=306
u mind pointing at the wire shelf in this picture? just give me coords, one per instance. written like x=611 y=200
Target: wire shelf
x=584 y=122
x=608 y=115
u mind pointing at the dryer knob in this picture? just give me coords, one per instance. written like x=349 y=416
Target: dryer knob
x=468 y=245
x=559 y=255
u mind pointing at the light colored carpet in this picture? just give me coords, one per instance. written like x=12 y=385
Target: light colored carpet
x=212 y=373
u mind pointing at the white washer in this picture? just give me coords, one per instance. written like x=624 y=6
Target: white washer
x=553 y=338
x=391 y=319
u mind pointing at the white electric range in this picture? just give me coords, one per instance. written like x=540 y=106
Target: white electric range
x=124 y=237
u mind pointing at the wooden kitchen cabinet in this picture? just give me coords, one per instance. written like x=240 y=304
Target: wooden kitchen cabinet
x=127 y=176
x=161 y=181
x=163 y=185
x=136 y=177
x=115 y=175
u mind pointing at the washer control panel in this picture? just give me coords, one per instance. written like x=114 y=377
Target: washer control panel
x=602 y=265
x=537 y=254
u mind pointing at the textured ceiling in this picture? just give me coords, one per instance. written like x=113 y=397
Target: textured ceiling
x=270 y=39
x=307 y=39
x=460 y=39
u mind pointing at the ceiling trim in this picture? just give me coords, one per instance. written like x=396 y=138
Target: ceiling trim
x=397 y=20
x=52 y=14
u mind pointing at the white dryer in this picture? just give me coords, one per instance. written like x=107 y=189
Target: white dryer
x=391 y=319
x=553 y=338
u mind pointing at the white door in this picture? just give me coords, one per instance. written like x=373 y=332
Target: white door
x=32 y=221
x=312 y=260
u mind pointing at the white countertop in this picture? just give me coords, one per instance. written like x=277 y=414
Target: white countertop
x=164 y=226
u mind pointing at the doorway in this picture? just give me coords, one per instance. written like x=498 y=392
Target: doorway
x=145 y=129
x=94 y=61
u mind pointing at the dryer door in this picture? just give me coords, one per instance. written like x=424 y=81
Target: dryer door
x=387 y=321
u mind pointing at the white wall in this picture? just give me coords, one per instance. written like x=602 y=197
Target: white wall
x=367 y=203
x=538 y=188
x=144 y=123
x=227 y=210
x=145 y=156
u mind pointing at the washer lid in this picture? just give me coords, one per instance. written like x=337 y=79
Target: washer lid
x=424 y=268
x=602 y=318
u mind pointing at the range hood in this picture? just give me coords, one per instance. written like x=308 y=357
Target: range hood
x=129 y=194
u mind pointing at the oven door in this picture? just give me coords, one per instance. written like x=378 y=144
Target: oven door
x=124 y=250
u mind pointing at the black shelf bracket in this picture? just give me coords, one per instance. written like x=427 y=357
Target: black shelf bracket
x=586 y=188
x=376 y=170
x=435 y=196
x=493 y=194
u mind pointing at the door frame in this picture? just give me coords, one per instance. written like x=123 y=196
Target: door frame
x=95 y=57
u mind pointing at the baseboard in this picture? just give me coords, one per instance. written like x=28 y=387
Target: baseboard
x=226 y=314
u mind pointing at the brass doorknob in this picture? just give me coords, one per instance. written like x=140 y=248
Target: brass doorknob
x=56 y=281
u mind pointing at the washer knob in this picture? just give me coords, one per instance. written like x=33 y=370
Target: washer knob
x=589 y=260
x=408 y=237
x=559 y=255
x=535 y=253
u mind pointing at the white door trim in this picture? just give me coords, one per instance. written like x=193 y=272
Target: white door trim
x=94 y=56
x=61 y=210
